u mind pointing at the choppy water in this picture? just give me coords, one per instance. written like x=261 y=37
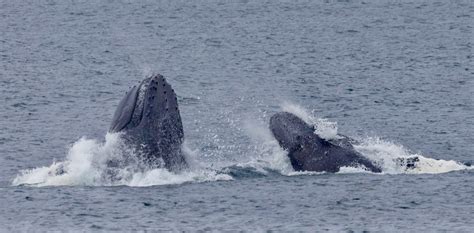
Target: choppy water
x=396 y=75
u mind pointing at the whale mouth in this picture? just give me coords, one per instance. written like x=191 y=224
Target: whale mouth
x=137 y=113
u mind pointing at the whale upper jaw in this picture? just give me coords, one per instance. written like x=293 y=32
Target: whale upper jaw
x=149 y=117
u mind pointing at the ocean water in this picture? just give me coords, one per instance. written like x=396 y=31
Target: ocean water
x=398 y=76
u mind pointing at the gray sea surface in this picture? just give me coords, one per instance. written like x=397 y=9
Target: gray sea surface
x=396 y=75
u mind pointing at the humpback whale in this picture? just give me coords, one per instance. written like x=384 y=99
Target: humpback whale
x=149 y=119
x=309 y=152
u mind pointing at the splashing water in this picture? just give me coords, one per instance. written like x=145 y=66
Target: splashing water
x=269 y=154
x=391 y=157
x=86 y=161
x=86 y=164
x=323 y=127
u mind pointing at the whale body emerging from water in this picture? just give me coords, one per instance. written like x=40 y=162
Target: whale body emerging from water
x=309 y=152
x=148 y=116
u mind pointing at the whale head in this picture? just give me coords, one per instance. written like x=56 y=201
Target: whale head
x=149 y=117
x=289 y=130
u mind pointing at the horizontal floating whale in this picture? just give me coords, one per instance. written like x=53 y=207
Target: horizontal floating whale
x=148 y=116
x=309 y=152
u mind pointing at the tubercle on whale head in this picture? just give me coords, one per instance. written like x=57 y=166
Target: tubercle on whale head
x=145 y=103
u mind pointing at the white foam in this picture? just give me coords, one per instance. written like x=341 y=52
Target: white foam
x=86 y=165
x=306 y=173
x=358 y=169
x=386 y=154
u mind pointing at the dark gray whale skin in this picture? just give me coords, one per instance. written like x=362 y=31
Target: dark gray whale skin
x=309 y=152
x=148 y=116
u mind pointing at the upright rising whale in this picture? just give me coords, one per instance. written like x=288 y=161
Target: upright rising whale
x=148 y=116
x=309 y=152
